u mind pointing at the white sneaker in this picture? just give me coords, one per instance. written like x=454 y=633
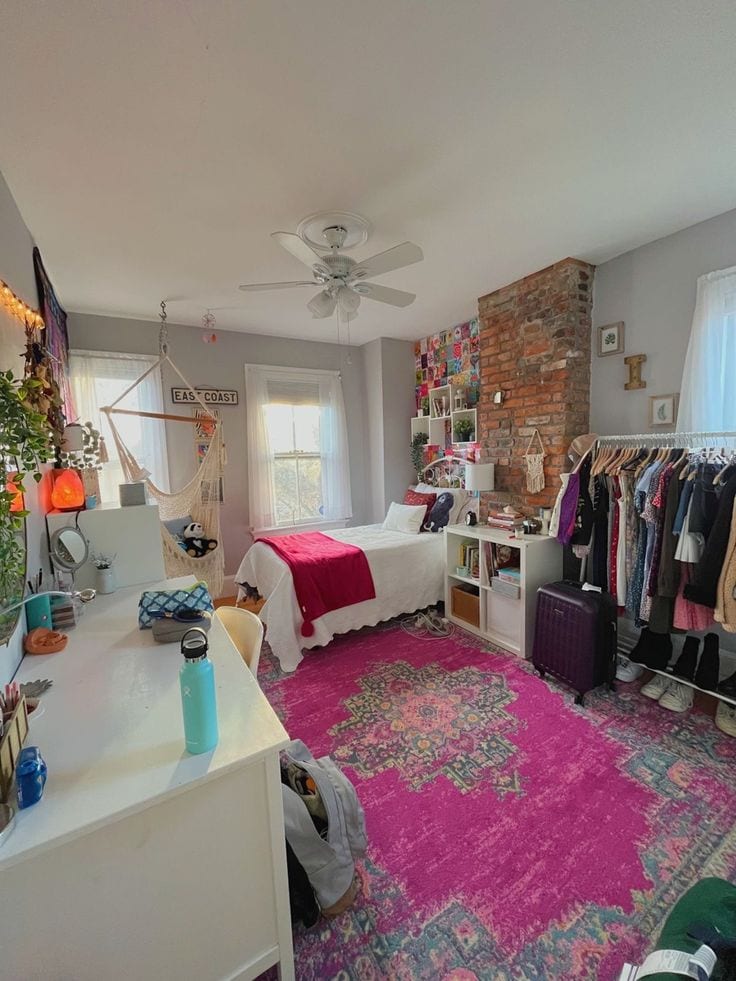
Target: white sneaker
x=656 y=687
x=726 y=718
x=678 y=697
x=626 y=670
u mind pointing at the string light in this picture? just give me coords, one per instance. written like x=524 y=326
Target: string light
x=18 y=309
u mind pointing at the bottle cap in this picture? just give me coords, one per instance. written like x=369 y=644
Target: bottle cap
x=194 y=644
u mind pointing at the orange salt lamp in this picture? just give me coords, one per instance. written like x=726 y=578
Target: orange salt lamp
x=68 y=491
x=17 y=504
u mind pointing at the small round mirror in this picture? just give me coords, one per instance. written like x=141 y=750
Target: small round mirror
x=69 y=549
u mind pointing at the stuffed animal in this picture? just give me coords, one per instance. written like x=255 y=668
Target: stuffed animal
x=439 y=516
x=195 y=544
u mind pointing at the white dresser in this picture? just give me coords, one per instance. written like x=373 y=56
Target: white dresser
x=141 y=861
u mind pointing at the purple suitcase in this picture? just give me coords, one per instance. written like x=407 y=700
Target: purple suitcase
x=575 y=636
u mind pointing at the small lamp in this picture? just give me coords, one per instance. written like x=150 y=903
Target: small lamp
x=67 y=493
x=479 y=476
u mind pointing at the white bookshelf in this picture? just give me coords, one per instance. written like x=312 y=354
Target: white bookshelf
x=435 y=425
x=503 y=620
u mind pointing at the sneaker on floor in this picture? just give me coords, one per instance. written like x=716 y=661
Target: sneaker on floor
x=627 y=670
x=678 y=697
x=726 y=718
x=656 y=687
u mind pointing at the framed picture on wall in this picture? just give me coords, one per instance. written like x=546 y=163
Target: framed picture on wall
x=611 y=339
x=663 y=409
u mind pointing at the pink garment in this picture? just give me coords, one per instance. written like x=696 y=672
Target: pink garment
x=327 y=574
x=689 y=615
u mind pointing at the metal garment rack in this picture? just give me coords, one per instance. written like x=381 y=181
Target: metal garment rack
x=680 y=441
x=675 y=440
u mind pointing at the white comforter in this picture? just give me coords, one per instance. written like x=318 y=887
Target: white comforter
x=407 y=570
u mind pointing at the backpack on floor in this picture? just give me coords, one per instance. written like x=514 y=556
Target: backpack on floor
x=325 y=824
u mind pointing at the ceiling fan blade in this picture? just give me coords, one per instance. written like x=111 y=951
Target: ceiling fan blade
x=322 y=305
x=298 y=247
x=384 y=294
x=255 y=287
x=395 y=258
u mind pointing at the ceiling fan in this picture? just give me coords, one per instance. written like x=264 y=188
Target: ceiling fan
x=343 y=279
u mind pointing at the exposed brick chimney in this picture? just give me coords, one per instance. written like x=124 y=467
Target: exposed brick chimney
x=535 y=348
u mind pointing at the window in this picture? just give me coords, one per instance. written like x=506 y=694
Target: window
x=707 y=402
x=297 y=447
x=97 y=379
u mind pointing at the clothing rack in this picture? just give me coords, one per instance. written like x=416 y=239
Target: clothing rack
x=675 y=440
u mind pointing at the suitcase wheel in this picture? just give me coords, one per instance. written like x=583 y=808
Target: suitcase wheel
x=579 y=699
x=541 y=672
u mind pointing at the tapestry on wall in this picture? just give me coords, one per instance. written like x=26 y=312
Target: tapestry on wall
x=451 y=357
x=56 y=339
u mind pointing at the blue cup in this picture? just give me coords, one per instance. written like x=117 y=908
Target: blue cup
x=30 y=776
x=38 y=612
x=90 y=502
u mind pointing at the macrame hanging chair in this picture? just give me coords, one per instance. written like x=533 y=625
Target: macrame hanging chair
x=198 y=501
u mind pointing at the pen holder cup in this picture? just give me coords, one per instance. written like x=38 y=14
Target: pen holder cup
x=38 y=612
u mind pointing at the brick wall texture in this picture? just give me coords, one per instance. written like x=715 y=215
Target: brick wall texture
x=535 y=338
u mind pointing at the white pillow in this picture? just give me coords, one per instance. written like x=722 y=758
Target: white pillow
x=460 y=496
x=407 y=518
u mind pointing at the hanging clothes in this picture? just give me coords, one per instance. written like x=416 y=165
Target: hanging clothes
x=725 y=610
x=703 y=588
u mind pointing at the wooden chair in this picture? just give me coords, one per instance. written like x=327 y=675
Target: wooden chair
x=245 y=631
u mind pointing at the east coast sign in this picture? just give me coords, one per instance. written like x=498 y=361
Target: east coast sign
x=210 y=396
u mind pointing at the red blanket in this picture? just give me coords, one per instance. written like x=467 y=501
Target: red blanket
x=327 y=574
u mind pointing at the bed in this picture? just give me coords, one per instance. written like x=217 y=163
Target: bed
x=408 y=574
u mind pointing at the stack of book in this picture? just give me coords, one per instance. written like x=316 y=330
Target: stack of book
x=504 y=519
x=469 y=558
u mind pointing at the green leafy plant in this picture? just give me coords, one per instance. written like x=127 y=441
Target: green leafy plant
x=425 y=405
x=463 y=430
x=418 y=442
x=88 y=458
x=25 y=444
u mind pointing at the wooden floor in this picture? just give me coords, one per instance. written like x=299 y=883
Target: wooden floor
x=252 y=605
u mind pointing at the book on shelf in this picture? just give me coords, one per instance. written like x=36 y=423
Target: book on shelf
x=510 y=573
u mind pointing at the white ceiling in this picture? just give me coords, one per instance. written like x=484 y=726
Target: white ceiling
x=153 y=145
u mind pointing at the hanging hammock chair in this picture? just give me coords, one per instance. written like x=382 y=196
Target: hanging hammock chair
x=198 y=501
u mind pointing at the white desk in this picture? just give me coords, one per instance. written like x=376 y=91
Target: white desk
x=142 y=861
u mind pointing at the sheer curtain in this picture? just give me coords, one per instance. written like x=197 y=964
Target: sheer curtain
x=97 y=379
x=267 y=385
x=707 y=398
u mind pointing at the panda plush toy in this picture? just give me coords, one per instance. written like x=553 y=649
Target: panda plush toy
x=439 y=516
x=195 y=544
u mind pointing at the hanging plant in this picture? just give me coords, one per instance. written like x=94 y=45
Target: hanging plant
x=44 y=395
x=418 y=442
x=91 y=456
x=25 y=444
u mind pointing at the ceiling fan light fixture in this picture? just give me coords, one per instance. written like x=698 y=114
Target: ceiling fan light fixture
x=348 y=300
x=322 y=305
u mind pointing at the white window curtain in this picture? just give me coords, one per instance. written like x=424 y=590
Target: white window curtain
x=97 y=379
x=707 y=401
x=266 y=385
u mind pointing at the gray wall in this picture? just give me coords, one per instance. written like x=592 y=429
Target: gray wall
x=652 y=289
x=388 y=367
x=221 y=365
x=16 y=269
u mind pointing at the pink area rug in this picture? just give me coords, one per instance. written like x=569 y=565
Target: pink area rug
x=513 y=835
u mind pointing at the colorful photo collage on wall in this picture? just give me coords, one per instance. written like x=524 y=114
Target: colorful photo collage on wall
x=450 y=357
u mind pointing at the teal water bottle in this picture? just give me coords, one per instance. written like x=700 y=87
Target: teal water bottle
x=198 y=702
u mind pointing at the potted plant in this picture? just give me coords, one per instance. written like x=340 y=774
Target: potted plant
x=105 y=572
x=463 y=431
x=25 y=444
x=418 y=442
x=83 y=450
